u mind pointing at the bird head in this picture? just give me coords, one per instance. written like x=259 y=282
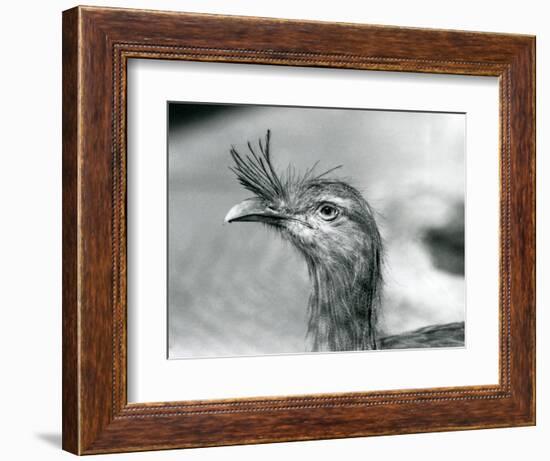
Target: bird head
x=326 y=219
x=333 y=227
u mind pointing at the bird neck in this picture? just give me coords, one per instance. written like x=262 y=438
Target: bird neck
x=344 y=302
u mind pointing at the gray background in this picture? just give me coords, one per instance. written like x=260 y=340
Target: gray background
x=239 y=289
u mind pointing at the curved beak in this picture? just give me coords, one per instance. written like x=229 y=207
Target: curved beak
x=252 y=210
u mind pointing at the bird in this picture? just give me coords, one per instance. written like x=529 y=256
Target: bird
x=333 y=227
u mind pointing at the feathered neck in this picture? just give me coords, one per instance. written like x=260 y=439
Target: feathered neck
x=343 y=305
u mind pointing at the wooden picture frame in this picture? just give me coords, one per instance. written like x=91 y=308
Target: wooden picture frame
x=97 y=43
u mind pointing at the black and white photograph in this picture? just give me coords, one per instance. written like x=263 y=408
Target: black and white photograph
x=275 y=230
x=295 y=230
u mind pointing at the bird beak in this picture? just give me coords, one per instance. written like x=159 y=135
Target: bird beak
x=252 y=210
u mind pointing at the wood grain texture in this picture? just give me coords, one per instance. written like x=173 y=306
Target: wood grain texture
x=97 y=42
x=70 y=384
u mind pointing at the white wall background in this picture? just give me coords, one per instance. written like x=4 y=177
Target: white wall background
x=30 y=230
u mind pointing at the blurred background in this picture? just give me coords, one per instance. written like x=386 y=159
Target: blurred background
x=241 y=290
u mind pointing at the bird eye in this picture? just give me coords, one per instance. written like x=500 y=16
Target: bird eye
x=328 y=212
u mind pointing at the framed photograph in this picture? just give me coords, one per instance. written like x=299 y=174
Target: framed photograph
x=280 y=230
